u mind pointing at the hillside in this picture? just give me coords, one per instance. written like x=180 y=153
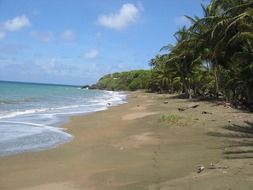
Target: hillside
x=131 y=80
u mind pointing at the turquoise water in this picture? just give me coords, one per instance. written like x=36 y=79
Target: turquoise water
x=30 y=114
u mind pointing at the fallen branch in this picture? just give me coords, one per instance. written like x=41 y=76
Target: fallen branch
x=188 y=107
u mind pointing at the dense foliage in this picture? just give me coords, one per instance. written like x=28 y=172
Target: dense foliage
x=213 y=56
x=132 y=80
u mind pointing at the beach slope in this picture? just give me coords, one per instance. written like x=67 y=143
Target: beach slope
x=144 y=144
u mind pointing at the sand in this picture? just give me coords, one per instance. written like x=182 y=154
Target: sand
x=130 y=147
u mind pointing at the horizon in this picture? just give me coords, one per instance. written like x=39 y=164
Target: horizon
x=38 y=83
x=91 y=40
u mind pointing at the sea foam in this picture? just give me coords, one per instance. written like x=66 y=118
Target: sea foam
x=27 y=126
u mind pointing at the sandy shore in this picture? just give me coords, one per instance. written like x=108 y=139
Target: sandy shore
x=144 y=144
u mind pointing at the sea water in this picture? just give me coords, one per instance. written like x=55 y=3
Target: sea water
x=30 y=114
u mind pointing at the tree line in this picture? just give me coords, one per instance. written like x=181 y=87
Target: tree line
x=213 y=57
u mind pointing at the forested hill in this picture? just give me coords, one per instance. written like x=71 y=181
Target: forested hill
x=131 y=80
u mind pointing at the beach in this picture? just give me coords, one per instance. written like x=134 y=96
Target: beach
x=146 y=143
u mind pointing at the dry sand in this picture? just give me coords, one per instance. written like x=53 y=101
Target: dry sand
x=129 y=147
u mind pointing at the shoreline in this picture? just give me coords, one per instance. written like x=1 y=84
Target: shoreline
x=39 y=129
x=129 y=146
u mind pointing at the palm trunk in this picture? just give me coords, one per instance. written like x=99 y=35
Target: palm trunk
x=216 y=80
x=186 y=88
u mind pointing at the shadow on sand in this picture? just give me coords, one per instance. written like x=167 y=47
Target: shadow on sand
x=239 y=140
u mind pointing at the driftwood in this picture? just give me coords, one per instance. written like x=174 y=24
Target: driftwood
x=218 y=167
x=225 y=104
x=188 y=107
x=215 y=166
x=205 y=112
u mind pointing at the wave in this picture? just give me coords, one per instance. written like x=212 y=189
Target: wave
x=51 y=128
x=19 y=101
x=34 y=127
x=101 y=102
x=18 y=113
x=43 y=110
x=30 y=137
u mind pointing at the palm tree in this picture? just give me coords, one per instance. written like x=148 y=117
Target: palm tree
x=222 y=39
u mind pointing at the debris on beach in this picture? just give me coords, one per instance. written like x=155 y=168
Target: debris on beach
x=206 y=112
x=166 y=102
x=200 y=168
x=225 y=104
x=191 y=106
x=217 y=166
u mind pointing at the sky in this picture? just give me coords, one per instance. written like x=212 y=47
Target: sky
x=78 y=41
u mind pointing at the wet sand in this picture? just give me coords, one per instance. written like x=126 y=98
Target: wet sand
x=132 y=146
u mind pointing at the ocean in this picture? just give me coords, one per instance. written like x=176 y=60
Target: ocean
x=30 y=114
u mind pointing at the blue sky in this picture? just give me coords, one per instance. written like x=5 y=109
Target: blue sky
x=78 y=41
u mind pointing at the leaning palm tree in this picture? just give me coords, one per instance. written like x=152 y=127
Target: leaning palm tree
x=229 y=22
x=183 y=58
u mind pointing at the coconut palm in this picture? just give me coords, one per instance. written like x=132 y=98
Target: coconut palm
x=222 y=41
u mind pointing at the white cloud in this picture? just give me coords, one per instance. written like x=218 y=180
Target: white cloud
x=68 y=35
x=2 y=35
x=127 y=15
x=91 y=54
x=12 y=48
x=16 y=23
x=42 y=36
x=56 y=66
x=182 y=21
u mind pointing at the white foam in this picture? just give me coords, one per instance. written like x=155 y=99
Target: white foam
x=18 y=113
x=54 y=129
x=26 y=125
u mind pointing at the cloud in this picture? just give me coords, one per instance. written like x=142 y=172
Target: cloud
x=182 y=21
x=127 y=15
x=42 y=69
x=51 y=66
x=56 y=66
x=16 y=23
x=91 y=54
x=2 y=35
x=68 y=35
x=42 y=36
x=12 y=48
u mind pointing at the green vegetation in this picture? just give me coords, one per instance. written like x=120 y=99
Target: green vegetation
x=175 y=119
x=132 y=80
x=213 y=57
x=170 y=117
